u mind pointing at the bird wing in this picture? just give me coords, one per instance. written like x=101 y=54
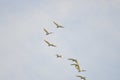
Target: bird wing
x=78 y=68
x=45 y=30
x=79 y=76
x=55 y=23
x=72 y=59
x=84 y=78
x=47 y=42
x=58 y=26
x=78 y=63
x=83 y=70
x=61 y=26
x=74 y=64
x=53 y=45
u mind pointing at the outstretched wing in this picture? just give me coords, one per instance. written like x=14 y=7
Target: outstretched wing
x=84 y=78
x=79 y=76
x=72 y=59
x=55 y=23
x=53 y=45
x=74 y=64
x=47 y=42
x=83 y=70
x=46 y=31
x=61 y=26
x=58 y=26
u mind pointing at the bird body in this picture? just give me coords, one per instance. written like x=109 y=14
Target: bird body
x=46 y=31
x=57 y=25
x=58 y=56
x=49 y=44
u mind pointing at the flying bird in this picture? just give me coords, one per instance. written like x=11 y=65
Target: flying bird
x=78 y=67
x=57 y=25
x=46 y=31
x=58 y=56
x=84 y=78
x=74 y=60
x=49 y=44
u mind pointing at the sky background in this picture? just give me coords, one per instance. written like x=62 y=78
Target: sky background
x=91 y=35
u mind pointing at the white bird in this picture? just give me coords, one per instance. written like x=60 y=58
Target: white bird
x=84 y=78
x=77 y=66
x=57 y=25
x=58 y=56
x=46 y=31
x=49 y=44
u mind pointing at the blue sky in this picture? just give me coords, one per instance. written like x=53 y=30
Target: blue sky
x=91 y=35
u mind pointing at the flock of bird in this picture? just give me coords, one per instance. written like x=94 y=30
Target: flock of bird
x=75 y=61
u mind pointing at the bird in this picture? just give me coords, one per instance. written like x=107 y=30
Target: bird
x=58 y=26
x=49 y=44
x=84 y=78
x=74 y=60
x=58 y=56
x=46 y=31
x=78 y=67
